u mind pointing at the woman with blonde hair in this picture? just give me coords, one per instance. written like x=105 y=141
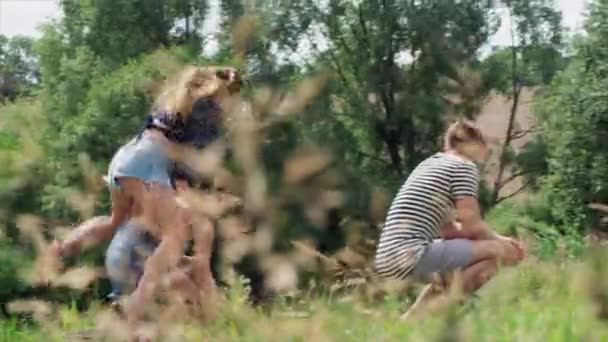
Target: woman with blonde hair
x=420 y=239
x=188 y=112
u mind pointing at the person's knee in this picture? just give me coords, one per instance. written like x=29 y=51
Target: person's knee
x=486 y=250
x=512 y=255
x=498 y=251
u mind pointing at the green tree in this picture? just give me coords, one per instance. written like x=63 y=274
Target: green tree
x=396 y=66
x=531 y=61
x=93 y=45
x=119 y=30
x=18 y=67
x=574 y=114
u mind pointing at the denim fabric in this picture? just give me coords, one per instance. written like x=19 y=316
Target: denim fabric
x=144 y=158
x=125 y=257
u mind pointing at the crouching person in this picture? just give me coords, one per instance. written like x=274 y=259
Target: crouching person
x=419 y=239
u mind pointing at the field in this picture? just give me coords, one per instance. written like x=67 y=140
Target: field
x=315 y=146
x=540 y=301
x=546 y=298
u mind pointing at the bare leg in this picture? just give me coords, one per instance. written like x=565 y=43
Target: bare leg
x=183 y=284
x=474 y=276
x=96 y=229
x=165 y=220
x=487 y=256
x=202 y=234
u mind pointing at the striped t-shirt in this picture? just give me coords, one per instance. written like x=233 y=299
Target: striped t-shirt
x=421 y=207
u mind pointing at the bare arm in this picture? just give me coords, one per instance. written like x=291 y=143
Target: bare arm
x=473 y=227
x=450 y=230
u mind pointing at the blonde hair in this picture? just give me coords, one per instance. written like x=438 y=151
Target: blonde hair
x=193 y=83
x=462 y=131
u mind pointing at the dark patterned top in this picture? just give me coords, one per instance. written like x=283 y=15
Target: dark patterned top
x=199 y=130
x=181 y=171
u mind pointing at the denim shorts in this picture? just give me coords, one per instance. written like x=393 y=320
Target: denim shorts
x=126 y=256
x=143 y=158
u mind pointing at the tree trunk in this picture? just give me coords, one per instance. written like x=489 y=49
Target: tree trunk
x=187 y=27
x=498 y=182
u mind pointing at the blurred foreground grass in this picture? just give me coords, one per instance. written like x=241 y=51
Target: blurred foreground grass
x=553 y=300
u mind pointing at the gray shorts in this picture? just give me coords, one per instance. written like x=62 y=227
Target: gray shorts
x=443 y=256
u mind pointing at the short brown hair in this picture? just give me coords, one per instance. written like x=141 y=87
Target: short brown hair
x=463 y=131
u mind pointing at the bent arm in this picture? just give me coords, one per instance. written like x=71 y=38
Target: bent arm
x=473 y=226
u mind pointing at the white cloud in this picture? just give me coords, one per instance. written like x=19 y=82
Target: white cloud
x=22 y=17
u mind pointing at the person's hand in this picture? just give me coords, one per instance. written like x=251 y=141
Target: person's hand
x=518 y=245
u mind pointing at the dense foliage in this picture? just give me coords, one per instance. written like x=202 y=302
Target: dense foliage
x=575 y=116
x=364 y=88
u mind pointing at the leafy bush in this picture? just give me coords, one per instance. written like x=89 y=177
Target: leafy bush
x=574 y=112
x=12 y=263
x=532 y=217
x=112 y=112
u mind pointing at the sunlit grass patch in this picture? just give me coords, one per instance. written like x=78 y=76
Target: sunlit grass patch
x=538 y=301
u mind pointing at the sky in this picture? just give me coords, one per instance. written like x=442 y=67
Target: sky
x=24 y=16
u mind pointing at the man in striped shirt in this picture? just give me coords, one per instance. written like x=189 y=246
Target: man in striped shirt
x=420 y=238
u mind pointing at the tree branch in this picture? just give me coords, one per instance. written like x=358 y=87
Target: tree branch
x=362 y=38
x=520 y=134
x=512 y=178
x=335 y=62
x=339 y=34
x=516 y=88
x=371 y=157
x=514 y=193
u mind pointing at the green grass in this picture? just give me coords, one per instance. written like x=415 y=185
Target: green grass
x=11 y=330
x=538 y=301
x=553 y=296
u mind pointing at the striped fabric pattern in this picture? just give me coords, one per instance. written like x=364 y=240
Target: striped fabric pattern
x=421 y=207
